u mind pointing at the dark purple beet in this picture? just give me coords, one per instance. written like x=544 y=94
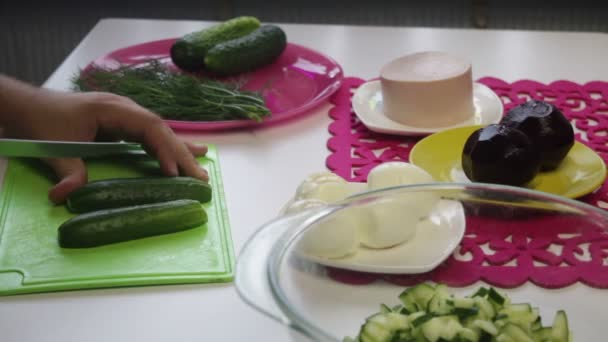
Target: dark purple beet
x=500 y=154
x=547 y=127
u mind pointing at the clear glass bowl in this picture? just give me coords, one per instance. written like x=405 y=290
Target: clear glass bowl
x=277 y=276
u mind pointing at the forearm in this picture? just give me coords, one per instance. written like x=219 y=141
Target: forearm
x=20 y=104
x=17 y=100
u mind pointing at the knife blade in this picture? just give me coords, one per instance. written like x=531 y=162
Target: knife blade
x=65 y=149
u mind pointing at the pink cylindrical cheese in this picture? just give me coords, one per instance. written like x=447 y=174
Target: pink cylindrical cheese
x=427 y=89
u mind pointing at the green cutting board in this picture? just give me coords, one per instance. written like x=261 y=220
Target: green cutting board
x=32 y=261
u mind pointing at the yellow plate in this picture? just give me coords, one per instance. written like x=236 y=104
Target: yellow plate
x=581 y=172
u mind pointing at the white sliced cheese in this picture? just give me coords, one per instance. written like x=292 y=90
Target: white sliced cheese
x=324 y=186
x=394 y=220
x=335 y=236
x=396 y=173
x=390 y=224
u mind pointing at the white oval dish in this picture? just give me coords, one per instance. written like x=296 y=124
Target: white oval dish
x=436 y=238
x=368 y=106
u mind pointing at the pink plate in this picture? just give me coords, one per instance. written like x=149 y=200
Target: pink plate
x=297 y=81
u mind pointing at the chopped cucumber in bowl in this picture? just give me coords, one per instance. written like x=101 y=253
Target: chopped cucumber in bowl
x=328 y=303
x=429 y=313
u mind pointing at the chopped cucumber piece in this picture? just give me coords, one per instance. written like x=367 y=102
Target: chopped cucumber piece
x=412 y=317
x=482 y=292
x=385 y=309
x=444 y=327
x=486 y=309
x=516 y=333
x=504 y=338
x=431 y=314
x=397 y=308
x=441 y=303
x=485 y=337
x=372 y=331
x=469 y=335
x=538 y=323
x=486 y=326
x=391 y=321
x=384 y=327
x=404 y=311
x=417 y=296
x=560 y=331
x=521 y=314
x=543 y=334
x=521 y=308
x=408 y=301
x=463 y=302
x=464 y=313
x=495 y=296
x=421 y=320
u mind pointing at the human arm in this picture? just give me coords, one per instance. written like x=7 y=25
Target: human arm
x=29 y=112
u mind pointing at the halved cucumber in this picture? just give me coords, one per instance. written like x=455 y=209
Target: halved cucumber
x=104 y=227
x=124 y=192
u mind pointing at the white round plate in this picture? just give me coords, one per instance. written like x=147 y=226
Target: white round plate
x=437 y=236
x=368 y=106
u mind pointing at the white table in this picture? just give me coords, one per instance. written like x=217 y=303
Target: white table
x=262 y=168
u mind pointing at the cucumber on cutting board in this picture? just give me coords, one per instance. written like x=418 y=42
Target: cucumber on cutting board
x=123 y=192
x=249 y=52
x=189 y=52
x=430 y=313
x=117 y=225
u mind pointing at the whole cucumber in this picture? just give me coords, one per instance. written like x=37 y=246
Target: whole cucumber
x=189 y=52
x=249 y=52
x=117 y=225
x=123 y=192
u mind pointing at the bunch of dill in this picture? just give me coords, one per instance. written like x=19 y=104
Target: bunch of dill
x=172 y=95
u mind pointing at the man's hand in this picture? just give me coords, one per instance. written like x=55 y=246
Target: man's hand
x=31 y=113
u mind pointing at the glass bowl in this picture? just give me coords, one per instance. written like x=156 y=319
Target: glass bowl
x=328 y=301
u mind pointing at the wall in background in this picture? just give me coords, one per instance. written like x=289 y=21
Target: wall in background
x=35 y=36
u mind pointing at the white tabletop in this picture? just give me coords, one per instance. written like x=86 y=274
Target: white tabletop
x=262 y=168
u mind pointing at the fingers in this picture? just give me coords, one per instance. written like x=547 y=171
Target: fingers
x=196 y=149
x=173 y=154
x=71 y=173
x=134 y=122
x=188 y=164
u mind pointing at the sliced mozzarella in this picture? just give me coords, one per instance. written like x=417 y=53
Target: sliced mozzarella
x=324 y=186
x=335 y=236
x=394 y=219
x=392 y=174
x=397 y=173
x=390 y=224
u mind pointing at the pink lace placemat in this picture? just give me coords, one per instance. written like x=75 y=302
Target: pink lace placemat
x=513 y=257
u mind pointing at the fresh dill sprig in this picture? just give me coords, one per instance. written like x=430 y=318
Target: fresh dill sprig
x=172 y=95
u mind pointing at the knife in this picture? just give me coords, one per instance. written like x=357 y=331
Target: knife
x=65 y=149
